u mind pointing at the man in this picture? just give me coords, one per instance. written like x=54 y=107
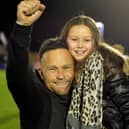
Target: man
x=42 y=98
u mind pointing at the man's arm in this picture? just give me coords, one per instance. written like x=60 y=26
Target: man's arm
x=28 y=12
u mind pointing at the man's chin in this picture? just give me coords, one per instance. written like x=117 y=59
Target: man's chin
x=63 y=91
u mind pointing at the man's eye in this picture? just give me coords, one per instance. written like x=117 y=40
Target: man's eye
x=67 y=68
x=52 y=69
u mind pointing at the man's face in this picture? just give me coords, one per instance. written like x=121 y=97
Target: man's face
x=57 y=68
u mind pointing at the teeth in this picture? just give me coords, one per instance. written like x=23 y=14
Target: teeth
x=79 y=52
x=61 y=84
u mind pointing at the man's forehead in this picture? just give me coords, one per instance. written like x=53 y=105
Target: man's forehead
x=57 y=53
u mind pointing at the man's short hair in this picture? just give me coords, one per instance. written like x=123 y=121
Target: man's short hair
x=50 y=44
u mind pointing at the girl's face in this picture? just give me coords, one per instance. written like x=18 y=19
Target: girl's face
x=80 y=42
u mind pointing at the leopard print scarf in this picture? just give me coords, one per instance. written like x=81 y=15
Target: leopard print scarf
x=85 y=111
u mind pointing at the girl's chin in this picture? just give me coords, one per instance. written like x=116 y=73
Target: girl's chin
x=80 y=60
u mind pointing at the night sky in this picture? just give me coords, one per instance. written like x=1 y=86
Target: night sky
x=114 y=14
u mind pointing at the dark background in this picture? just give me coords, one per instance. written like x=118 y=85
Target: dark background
x=113 y=13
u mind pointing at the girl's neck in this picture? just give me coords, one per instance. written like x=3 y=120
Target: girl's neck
x=79 y=65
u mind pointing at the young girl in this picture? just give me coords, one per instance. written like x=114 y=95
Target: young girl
x=92 y=73
x=83 y=38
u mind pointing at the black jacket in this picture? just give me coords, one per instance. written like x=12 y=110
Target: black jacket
x=116 y=102
x=39 y=108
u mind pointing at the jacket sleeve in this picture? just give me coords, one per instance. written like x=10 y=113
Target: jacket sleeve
x=17 y=72
x=112 y=118
x=18 y=46
x=22 y=79
x=118 y=87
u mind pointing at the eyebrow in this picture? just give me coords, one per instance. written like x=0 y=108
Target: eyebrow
x=68 y=65
x=89 y=36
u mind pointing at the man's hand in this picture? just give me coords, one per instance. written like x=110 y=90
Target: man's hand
x=28 y=11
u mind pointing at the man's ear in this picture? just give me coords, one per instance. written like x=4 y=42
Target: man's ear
x=41 y=74
x=38 y=68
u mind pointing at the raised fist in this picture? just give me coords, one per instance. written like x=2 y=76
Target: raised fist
x=28 y=11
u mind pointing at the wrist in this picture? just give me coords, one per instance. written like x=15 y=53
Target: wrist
x=22 y=24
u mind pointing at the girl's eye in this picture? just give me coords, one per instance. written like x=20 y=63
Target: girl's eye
x=87 y=40
x=74 y=39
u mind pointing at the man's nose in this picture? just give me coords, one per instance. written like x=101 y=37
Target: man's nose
x=60 y=74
